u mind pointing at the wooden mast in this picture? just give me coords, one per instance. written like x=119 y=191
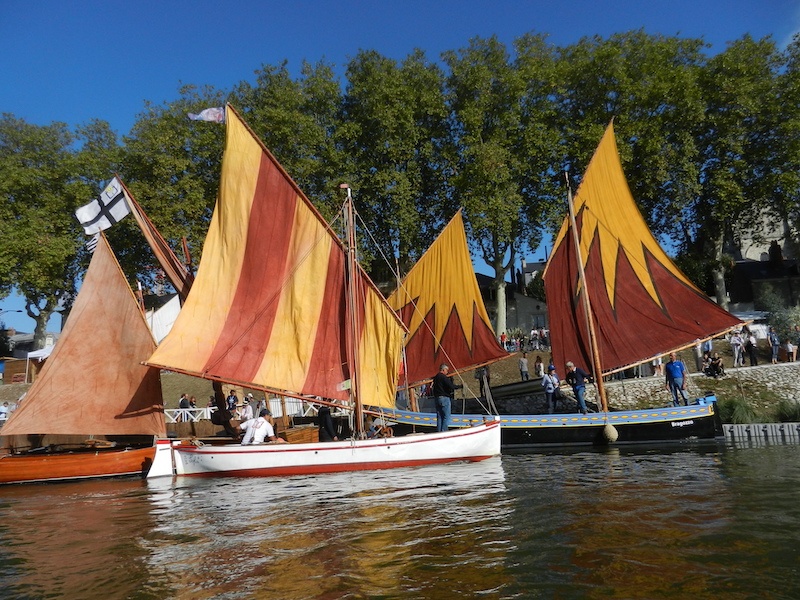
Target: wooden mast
x=352 y=307
x=593 y=348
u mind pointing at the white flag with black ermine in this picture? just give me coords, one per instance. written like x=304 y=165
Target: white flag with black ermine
x=102 y=213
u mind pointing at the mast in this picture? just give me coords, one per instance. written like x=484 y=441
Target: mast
x=352 y=308
x=593 y=347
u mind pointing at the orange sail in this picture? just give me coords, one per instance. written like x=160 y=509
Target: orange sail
x=268 y=305
x=440 y=303
x=94 y=383
x=642 y=305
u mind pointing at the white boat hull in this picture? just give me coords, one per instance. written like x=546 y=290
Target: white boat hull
x=234 y=460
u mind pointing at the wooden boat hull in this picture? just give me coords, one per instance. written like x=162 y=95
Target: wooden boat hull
x=673 y=424
x=234 y=460
x=82 y=464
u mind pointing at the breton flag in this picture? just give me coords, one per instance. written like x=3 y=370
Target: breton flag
x=102 y=213
x=215 y=115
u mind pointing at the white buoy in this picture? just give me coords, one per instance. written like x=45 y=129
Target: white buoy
x=610 y=433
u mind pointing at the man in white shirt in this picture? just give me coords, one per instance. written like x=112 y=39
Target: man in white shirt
x=258 y=430
x=246 y=412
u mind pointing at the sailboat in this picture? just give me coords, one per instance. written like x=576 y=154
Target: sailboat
x=641 y=307
x=280 y=304
x=94 y=410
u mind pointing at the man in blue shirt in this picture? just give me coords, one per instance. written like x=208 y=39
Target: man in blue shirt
x=443 y=392
x=676 y=374
x=577 y=377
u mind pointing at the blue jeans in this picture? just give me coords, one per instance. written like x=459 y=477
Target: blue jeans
x=442 y=413
x=579 y=397
x=675 y=386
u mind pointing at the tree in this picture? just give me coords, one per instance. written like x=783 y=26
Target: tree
x=649 y=86
x=501 y=121
x=298 y=120
x=171 y=165
x=395 y=136
x=41 y=186
x=739 y=147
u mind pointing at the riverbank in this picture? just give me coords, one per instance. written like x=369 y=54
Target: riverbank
x=763 y=387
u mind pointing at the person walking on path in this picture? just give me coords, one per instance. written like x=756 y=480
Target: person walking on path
x=577 y=378
x=676 y=375
x=523 y=367
x=443 y=392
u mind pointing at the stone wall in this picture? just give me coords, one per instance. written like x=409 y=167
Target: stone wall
x=782 y=379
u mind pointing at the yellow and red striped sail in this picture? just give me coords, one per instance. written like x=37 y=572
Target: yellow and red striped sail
x=94 y=383
x=642 y=305
x=268 y=305
x=440 y=303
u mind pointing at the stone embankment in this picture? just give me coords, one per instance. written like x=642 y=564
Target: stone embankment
x=783 y=380
x=764 y=383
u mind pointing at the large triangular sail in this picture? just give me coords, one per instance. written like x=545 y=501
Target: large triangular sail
x=268 y=305
x=440 y=303
x=93 y=382
x=643 y=305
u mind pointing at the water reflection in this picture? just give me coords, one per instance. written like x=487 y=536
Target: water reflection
x=696 y=521
x=335 y=535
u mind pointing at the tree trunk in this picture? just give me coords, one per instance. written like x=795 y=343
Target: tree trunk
x=40 y=332
x=718 y=272
x=500 y=291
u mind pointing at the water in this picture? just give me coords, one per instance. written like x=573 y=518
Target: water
x=697 y=522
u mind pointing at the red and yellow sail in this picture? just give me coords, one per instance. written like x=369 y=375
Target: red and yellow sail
x=93 y=382
x=268 y=306
x=440 y=303
x=643 y=306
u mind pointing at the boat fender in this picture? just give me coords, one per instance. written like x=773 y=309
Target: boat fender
x=610 y=433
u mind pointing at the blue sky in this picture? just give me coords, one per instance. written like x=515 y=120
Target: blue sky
x=73 y=61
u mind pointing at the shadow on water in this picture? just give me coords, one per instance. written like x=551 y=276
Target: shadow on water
x=634 y=522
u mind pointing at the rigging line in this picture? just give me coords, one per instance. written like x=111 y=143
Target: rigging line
x=419 y=313
x=270 y=301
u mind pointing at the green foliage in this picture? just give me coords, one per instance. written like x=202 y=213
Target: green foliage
x=708 y=143
x=535 y=289
x=780 y=315
x=787 y=411
x=736 y=409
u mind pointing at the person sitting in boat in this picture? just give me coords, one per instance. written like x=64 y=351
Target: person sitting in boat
x=327 y=432
x=259 y=430
x=377 y=428
x=577 y=378
x=246 y=412
x=676 y=375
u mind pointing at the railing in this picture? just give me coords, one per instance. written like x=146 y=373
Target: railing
x=188 y=415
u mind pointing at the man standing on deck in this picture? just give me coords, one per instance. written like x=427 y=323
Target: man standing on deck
x=676 y=375
x=443 y=392
x=577 y=377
